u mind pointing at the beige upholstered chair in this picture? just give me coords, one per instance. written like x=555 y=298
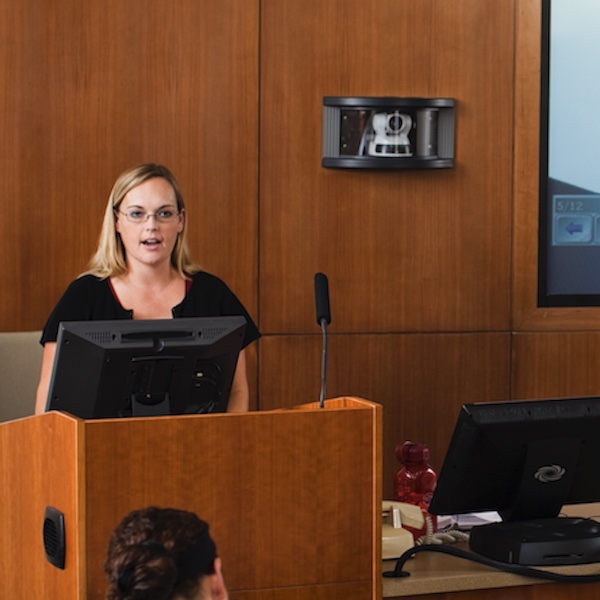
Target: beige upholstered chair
x=20 y=362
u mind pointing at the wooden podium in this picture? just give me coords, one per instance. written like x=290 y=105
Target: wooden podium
x=293 y=496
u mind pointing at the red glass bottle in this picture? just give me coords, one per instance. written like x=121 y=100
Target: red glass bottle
x=415 y=481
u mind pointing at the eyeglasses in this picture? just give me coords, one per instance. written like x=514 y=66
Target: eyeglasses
x=164 y=215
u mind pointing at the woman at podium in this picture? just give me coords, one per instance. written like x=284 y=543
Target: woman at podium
x=142 y=270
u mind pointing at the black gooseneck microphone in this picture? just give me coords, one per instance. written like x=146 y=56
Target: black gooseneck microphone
x=323 y=319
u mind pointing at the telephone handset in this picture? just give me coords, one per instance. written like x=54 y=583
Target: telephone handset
x=396 y=516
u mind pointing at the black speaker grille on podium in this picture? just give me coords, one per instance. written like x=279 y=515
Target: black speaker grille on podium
x=54 y=537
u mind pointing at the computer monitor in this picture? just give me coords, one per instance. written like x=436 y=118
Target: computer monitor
x=525 y=460
x=124 y=368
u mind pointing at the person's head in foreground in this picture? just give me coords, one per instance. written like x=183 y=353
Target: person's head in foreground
x=163 y=554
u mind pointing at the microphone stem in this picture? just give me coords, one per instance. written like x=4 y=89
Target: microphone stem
x=323 y=364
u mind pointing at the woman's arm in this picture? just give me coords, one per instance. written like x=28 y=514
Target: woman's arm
x=44 y=384
x=239 y=399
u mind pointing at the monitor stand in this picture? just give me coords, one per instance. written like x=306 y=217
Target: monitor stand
x=555 y=541
x=150 y=405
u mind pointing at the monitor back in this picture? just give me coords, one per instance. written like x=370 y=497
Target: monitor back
x=524 y=459
x=106 y=369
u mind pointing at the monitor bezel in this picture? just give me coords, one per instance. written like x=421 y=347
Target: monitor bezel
x=548 y=187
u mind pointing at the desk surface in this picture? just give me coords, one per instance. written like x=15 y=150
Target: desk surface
x=435 y=573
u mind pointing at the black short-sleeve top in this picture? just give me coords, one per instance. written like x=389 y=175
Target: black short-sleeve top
x=89 y=298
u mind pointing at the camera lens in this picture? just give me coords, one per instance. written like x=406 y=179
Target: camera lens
x=395 y=122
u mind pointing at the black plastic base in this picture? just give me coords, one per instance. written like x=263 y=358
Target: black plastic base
x=560 y=541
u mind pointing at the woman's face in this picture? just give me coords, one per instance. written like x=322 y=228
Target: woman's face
x=148 y=222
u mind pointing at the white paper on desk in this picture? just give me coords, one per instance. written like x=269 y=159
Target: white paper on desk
x=468 y=520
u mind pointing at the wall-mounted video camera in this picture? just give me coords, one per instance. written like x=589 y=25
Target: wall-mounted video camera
x=388 y=132
x=391 y=134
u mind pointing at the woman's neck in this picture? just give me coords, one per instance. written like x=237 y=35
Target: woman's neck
x=149 y=278
x=149 y=295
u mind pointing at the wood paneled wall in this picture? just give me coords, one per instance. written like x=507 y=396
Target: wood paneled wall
x=92 y=88
x=404 y=250
x=432 y=273
x=419 y=262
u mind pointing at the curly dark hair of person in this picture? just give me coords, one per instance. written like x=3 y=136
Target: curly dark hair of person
x=158 y=554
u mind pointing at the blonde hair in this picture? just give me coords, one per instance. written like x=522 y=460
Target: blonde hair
x=109 y=260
